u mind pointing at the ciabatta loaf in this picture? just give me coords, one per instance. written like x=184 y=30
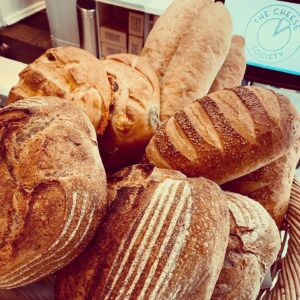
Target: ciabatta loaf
x=70 y=73
x=197 y=60
x=164 y=237
x=227 y=134
x=53 y=187
x=253 y=247
x=168 y=30
x=134 y=111
x=234 y=67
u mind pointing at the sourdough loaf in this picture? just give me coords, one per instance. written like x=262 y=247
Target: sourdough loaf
x=270 y=185
x=197 y=60
x=234 y=67
x=70 y=73
x=227 y=134
x=134 y=112
x=254 y=243
x=168 y=30
x=53 y=187
x=164 y=237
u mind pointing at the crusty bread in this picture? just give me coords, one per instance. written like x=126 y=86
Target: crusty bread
x=134 y=112
x=197 y=60
x=53 y=187
x=168 y=30
x=234 y=67
x=164 y=237
x=270 y=185
x=227 y=134
x=253 y=247
x=70 y=73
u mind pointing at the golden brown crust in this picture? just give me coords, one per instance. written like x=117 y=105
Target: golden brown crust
x=164 y=237
x=134 y=112
x=70 y=73
x=53 y=187
x=223 y=140
x=254 y=243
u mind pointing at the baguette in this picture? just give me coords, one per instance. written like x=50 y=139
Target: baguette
x=234 y=67
x=197 y=60
x=227 y=134
x=164 y=237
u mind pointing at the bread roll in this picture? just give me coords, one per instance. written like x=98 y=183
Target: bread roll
x=164 y=237
x=197 y=60
x=253 y=247
x=227 y=134
x=168 y=30
x=134 y=112
x=53 y=187
x=234 y=67
x=70 y=73
x=270 y=185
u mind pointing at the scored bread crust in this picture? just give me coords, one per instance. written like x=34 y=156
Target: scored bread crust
x=234 y=67
x=164 y=237
x=227 y=134
x=253 y=246
x=70 y=73
x=53 y=187
x=134 y=112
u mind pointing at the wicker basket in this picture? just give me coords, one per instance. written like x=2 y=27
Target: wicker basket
x=285 y=271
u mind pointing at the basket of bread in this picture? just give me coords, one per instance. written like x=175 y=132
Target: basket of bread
x=150 y=177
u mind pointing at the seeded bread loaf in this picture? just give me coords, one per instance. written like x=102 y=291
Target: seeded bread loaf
x=164 y=237
x=53 y=187
x=227 y=134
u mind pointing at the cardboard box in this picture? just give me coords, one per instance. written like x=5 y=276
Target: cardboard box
x=135 y=45
x=114 y=33
x=107 y=49
x=136 y=24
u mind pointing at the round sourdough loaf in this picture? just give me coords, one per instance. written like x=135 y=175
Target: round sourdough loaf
x=53 y=187
x=134 y=111
x=70 y=73
x=164 y=237
x=227 y=134
x=254 y=243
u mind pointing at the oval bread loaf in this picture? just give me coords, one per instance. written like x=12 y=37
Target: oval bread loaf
x=53 y=187
x=227 y=134
x=70 y=73
x=253 y=247
x=164 y=237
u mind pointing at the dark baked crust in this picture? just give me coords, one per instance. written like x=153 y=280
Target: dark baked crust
x=53 y=187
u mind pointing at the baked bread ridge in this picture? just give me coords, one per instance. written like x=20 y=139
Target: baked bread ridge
x=270 y=185
x=164 y=237
x=168 y=30
x=53 y=187
x=70 y=73
x=227 y=134
x=233 y=70
x=135 y=109
x=253 y=247
x=197 y=60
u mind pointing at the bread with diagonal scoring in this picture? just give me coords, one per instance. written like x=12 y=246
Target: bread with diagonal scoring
x=164 y=237
x=227 y=134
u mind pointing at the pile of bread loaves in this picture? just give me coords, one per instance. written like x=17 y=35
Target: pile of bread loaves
x=151 y=221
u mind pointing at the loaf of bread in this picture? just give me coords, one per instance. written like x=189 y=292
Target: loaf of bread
x=197 y=60
x=134 y=112
x=53 y=187
x=168 y=30
x=70 y=73
x=164 y=237
x=227 y=134
x=270 y=185
x=234 y=67
x=253 y=247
